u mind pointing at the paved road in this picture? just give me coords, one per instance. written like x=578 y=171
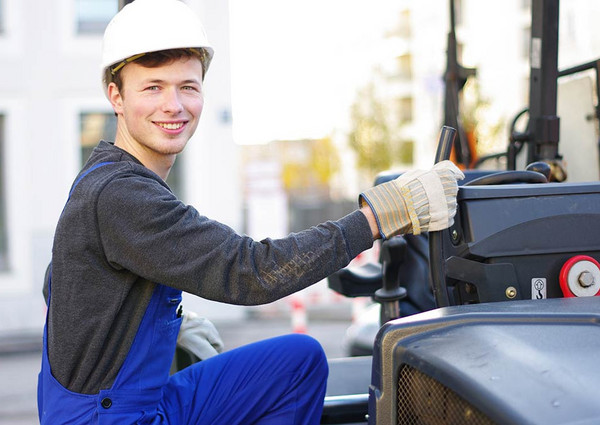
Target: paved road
x=18 y=380
x=18 y=370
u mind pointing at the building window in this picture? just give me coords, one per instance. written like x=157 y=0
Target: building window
x=96 y=126
x=405 y=109
x=93 y=15
x=1 y=17
x=405 y=66
x=404 y=26
x=458 y=13
x=3 y=226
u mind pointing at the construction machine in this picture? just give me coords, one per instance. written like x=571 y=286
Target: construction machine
x=508 y=325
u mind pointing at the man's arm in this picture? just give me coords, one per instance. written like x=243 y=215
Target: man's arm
x=368 y=212
x=146 y=231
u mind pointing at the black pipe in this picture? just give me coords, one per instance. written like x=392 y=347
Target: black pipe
x=543 y=121
x=436 y=247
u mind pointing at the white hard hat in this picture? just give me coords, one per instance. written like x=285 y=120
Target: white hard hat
x=145 y=26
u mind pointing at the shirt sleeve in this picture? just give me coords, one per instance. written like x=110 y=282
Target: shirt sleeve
x=146 y=230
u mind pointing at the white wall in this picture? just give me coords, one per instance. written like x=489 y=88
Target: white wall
x=48 y=76
x=211 y=166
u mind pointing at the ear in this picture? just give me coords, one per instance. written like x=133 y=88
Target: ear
x=115 y=98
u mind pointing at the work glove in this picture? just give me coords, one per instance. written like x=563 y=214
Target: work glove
x=417 y=201
x=199 y=336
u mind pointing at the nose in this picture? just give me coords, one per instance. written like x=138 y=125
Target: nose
x=172 y=102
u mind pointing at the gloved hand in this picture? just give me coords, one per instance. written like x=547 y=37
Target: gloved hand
x=417 y=201
x=199 y=336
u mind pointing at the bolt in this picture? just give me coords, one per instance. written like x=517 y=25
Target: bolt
x=586 y=279
x=511 y=292
x=454 y=235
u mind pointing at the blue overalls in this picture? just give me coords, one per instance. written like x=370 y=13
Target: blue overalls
x=277 y=382
x=137 y=391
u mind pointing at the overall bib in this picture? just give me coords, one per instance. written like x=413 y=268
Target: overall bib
x=137 y=391
x=273 y=382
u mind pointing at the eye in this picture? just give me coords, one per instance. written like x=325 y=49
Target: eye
x=152 y=88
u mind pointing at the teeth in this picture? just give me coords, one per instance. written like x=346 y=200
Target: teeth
x=170 y=126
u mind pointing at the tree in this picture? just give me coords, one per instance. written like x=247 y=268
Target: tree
x=309 y=165
x=374 y=135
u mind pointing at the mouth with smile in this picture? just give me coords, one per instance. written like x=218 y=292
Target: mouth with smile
x=171 y=127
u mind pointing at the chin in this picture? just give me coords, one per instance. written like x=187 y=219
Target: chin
x=174 y=147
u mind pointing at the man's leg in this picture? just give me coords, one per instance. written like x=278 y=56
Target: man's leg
x=277 y=381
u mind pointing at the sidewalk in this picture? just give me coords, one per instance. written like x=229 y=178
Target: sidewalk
x=20 y=356
x=17 y=343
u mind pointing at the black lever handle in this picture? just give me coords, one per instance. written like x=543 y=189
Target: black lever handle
x=436 y=255
x=393 y=254
x=446 y=140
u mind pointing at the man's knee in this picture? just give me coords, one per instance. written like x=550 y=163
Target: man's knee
x=303 y=343
x=307 y=352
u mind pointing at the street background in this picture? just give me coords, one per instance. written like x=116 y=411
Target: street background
x=20 y=356
x=282 y=94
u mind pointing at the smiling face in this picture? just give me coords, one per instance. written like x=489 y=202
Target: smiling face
x=158 y=109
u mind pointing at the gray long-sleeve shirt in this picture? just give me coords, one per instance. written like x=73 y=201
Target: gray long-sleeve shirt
x=123 y=230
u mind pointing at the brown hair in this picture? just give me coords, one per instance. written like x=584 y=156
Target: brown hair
x=153 y=60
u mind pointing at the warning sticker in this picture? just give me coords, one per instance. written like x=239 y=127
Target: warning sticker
x=538 y=288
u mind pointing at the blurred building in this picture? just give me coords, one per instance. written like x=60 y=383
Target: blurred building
x=493 y=37
x=300 y=178
x=53 y=111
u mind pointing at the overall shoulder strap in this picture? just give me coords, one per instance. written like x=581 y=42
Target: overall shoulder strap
x=85 y=173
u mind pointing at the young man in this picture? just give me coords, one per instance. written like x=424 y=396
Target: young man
x=125 y=248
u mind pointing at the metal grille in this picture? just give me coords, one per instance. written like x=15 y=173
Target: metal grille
x=424 y=401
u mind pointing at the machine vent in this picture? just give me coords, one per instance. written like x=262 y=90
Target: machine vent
x=424 y=401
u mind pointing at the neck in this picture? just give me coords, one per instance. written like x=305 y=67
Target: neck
x=159 y=163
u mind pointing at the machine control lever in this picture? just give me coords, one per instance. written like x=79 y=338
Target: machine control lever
x=392 y=255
